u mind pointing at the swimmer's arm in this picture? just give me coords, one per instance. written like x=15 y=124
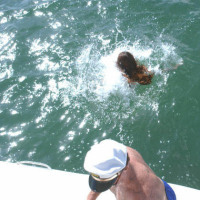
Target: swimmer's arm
x=93 y=195
x=151 y=73
x=173 y=68
x=130 y=82
x=177 y=65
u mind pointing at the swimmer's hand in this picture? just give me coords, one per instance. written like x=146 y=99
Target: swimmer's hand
x=177 y=65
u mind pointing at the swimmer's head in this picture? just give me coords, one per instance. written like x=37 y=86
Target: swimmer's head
x=132 y=71
x=126 y=62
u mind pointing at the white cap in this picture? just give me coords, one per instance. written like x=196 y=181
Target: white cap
x=106 y=159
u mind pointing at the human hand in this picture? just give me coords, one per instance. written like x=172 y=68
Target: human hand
x=177 y=65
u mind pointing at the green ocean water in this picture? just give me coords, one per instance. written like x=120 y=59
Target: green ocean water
x=60 y=90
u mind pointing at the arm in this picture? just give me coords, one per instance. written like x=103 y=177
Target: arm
x=130 y=82
x=177 y=65
x=92 y=195
x=174 y=68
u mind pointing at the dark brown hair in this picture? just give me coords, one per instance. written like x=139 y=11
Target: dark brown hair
x=132 y=70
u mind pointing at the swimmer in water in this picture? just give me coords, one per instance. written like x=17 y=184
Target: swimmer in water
x=134 y=72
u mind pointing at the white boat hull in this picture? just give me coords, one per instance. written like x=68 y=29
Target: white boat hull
x=33 y=183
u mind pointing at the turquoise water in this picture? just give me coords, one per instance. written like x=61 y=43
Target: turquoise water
x=60 y=90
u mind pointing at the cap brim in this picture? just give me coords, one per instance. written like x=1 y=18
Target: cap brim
x=100 y=186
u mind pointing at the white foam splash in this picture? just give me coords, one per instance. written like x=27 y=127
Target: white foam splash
x=111 y=77
x=47 y=65
x=8 y=94
x=107 y=78
x=6 y=71
x=53 y=88
x=12 y=145
x=38 y=47
x=103 y=40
